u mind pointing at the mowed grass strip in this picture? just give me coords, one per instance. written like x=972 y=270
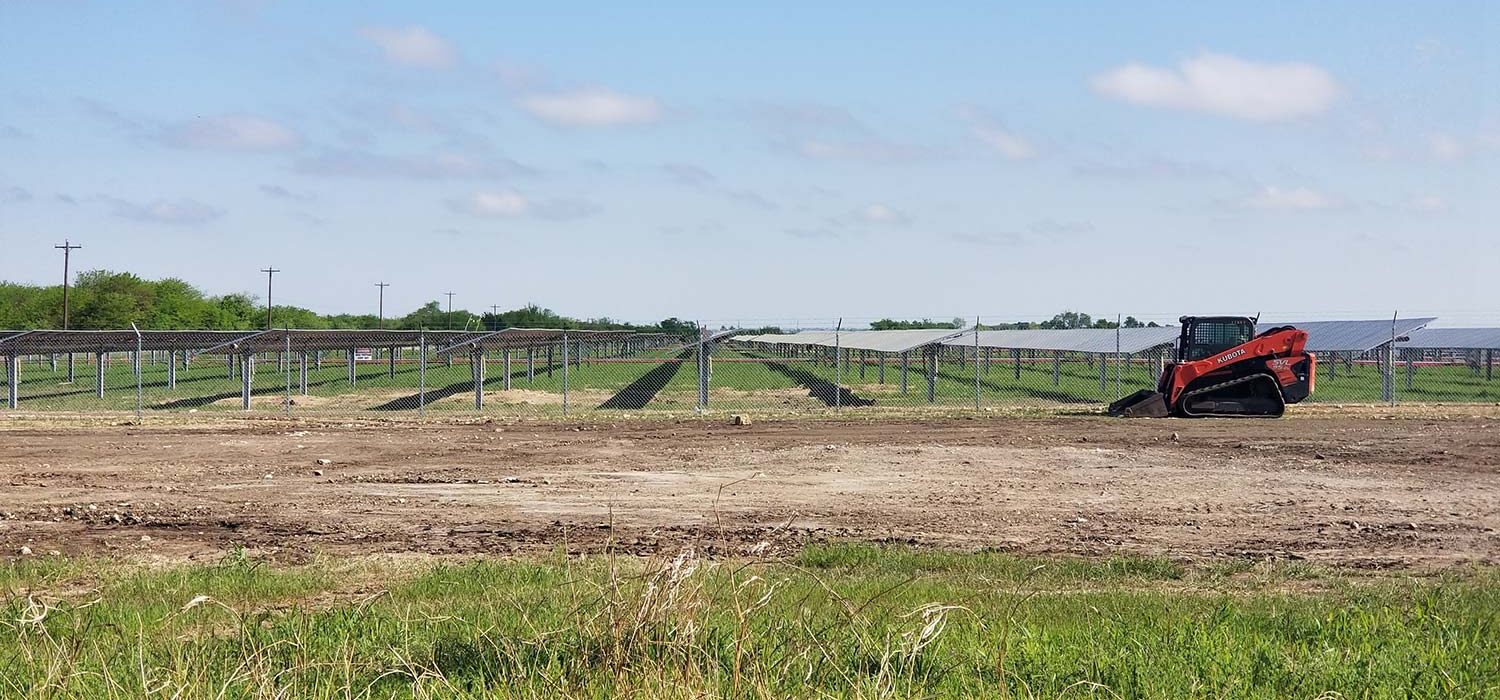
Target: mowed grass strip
x=842 y=621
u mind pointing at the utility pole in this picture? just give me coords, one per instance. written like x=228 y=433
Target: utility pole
x=269 y=272
x=448 y=319
x=67 y=248
x=495 y=314
x=382 y=286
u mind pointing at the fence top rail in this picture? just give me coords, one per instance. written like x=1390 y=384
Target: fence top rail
x=54 y=341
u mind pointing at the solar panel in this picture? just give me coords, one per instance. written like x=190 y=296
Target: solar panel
x=523 y=338
x=878 y=341
x=1351 y=336
x=1089 y=340
x=49 y=342
x=1454 y=339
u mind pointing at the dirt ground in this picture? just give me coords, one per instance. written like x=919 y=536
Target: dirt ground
x=1368 y=490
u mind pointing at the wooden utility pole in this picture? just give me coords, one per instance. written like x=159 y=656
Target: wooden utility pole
x=269 y=272
x=381 y=312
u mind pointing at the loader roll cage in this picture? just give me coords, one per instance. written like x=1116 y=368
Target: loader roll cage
x=1206 y=336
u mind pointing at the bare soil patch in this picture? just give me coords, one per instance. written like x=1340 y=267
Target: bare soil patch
x=1374 y=490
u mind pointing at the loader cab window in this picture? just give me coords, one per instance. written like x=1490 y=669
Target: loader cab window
x=1205 y=337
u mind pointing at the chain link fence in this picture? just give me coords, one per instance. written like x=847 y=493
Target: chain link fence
x=555 y=373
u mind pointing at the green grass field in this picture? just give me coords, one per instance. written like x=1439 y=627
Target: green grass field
x=666 y=381
x=843 y=621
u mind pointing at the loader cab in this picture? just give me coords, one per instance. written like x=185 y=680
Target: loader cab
x=1206 y=336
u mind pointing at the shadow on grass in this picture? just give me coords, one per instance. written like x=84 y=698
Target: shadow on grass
x=818 y=387
x=638 y=393
x=411 y=402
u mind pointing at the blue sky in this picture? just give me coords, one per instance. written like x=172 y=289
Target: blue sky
x=769 y=162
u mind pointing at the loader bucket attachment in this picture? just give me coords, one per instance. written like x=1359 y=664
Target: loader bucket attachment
x=1142 y=404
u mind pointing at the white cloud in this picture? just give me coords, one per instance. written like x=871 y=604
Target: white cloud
x=1008 y=144
x=279 y=192
x=1445 y=147
x=510 y=204
x=182 y=212
x=1289 y=199
x=439 y=166
x=413 y=46
x=1225 y=85
x=592 y=107
x=502 y=203
x=1428 y=204
x=995 y=135
x=234 y=132
x=872 y=150
x=882 y=214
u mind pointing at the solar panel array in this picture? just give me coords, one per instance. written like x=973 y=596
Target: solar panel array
x=896 y=341
x=1454 y=339
x=1086 y=340
x=1351 y=336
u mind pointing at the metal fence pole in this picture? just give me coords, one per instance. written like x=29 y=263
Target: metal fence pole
x=13 y=379
x=286 y=364
x=564 y=370
x=139 y=388
x=976 y=363
x=422 y=373
x=838 y=367
x=702 y=356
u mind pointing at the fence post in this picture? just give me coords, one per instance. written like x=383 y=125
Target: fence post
x=506 y=368
x=139 y=397
x=422 y=373
x=564 y=369
x=247 y=377
x=302 y=372
x=976 y=362
x=476 y=370
x=838 y=368
x=286 y=364
x=702 y=370
x=13 y=379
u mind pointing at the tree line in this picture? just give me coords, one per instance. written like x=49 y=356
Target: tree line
x=1064 y=320
x=101 y=299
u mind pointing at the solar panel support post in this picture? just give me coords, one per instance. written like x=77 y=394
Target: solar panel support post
x=247 y=374
x=12 y=381
x=505 y=370
x=862 y=359
x=171 y=369
x=1103 y=374
x=1056 y=369
x=1411 y=369
x=1015 y=357
x=881 y=370
x=54 y=363
x=932 y=368
x=302 y=372
x=530 y=365
x=1489 y=365
x=99 y=360
x=229 y=362
x=549 y=361
x=565 y=371
x=905 y=366
x=353 y=371
x=317 y=359
x=988 y=353
x=390 y=358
